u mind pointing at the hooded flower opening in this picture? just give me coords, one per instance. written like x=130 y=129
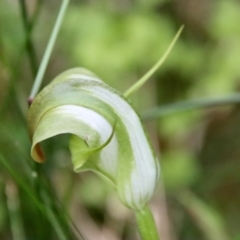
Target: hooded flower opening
x=79 y=103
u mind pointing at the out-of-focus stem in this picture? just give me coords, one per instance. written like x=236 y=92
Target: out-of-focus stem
x=29 y=45
x=14 y=211
x=190 y=105
x=17 y=66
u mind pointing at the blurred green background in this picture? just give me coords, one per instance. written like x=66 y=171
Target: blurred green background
x=199 y=194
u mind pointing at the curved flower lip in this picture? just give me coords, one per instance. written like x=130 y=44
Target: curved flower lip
x=79 y=103
x=96 y=134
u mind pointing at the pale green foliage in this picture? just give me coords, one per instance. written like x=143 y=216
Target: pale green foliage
x=113 y=45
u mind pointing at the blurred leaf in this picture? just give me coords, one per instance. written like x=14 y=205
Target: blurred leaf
x=204 y=216
x=93 y=192
x=11 y=34
x=180 y=125
x=3 y=212
x=224 y=19
x=179 y=170
x=113 y=45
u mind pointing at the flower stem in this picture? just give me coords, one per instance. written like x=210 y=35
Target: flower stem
x=48 y=51
x=146 y=224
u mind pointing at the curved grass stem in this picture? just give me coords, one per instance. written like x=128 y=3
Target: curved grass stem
x=142 y=80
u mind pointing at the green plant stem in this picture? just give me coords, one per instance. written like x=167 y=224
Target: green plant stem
x=42 y=202
x=146 y=224
x=14 y=211
x=68 y=218
x=142 y=80
x=29 y=45
x=190 y=105
x=19 y=180
x=52 y=217
x=17 y=66
x=48 y=51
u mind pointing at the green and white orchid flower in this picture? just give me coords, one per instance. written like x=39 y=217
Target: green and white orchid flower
x=107 y=134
